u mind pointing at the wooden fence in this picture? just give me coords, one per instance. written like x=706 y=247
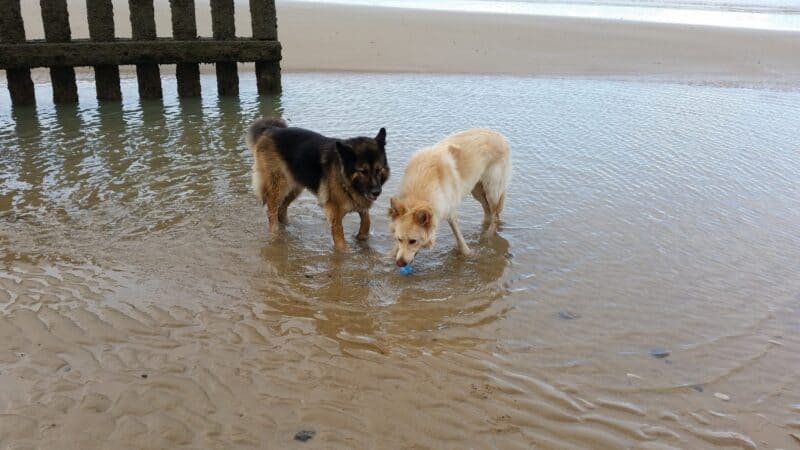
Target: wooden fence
x=106 y=53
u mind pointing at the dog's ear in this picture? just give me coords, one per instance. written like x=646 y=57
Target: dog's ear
x=423 y=217
x=396 y=209
x=346 y=153
x=381 y=137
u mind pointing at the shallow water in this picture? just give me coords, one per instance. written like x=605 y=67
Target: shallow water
x=142 y=305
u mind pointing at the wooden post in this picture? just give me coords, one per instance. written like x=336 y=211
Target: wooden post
x=224 y=28
x=263 y=17
x=265 y=27
x=143 y=26
x=268 y=77
x=105 y=52
x=55 y=19
x=100 y=14
x=12 y=30
x=184 y=28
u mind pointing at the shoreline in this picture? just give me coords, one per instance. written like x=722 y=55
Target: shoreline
x=41 y=76
x=354 y=38
x=322 y=37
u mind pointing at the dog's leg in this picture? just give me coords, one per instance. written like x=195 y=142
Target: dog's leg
x=496 y=208
x=271 y=199
x=274 y=193
x=335 y=216
x=290 y=197
x=462 y=245
x=363 y=229
x=480 y=195
x=494 y=181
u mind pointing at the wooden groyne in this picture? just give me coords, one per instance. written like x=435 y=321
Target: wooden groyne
x=105 y=52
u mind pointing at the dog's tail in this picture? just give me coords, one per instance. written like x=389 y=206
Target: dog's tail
x=262 y=126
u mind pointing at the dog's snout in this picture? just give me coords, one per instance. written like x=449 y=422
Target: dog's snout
x=401 y=262
x=376 y=191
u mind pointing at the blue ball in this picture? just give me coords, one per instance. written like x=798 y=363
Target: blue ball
x=406 y=270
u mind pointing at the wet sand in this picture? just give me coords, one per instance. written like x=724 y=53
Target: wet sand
x=337 y=37
x=642 y=293
x=324 y=37
x=647 y=262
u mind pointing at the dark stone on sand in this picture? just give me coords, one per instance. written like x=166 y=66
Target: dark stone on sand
x=304 y=435
x=659 y=352
x=698 y=388
x=568 y=315
x=144 y=375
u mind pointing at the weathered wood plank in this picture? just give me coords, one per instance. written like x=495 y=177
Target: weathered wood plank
x=148 y=77
x=20 y=87
x=106 y=80
x=222 y=19
x=227 y=78
x=264 y=19
x=184 y=23
x=124 y=52
x=55 y=19
x=12 y=30
x=100 y=14
x=143 y=20
x=65 y=90
x=188 y=75
x=143 y=28
x=265 y=27
x=268 y=77
x=223 y=27
x=184 y=27
x=105 y=52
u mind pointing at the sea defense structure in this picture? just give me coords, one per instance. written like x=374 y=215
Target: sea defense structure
x=105 y=52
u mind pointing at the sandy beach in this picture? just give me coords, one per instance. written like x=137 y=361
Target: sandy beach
x=326 y=37
x=367 y=39
x=642 y=292
x=647 y=262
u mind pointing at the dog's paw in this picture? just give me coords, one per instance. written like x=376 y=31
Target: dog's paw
x=362 y=237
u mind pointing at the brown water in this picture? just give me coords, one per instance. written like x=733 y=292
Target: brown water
x=141 y=305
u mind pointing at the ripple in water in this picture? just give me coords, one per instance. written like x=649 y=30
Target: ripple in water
x=141 y=298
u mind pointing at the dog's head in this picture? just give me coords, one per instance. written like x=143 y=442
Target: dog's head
x=413 y=226
x=364 y=163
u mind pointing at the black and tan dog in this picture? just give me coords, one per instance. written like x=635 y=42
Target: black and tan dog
x=346 y=175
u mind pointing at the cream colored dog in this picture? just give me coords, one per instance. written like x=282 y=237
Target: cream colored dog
x=438 y=178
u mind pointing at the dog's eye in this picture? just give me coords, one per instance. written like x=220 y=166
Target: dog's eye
x=412 y=241
x=362 y=171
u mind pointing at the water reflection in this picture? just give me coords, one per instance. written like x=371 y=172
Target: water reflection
x=639 y=215
x=360 y=299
